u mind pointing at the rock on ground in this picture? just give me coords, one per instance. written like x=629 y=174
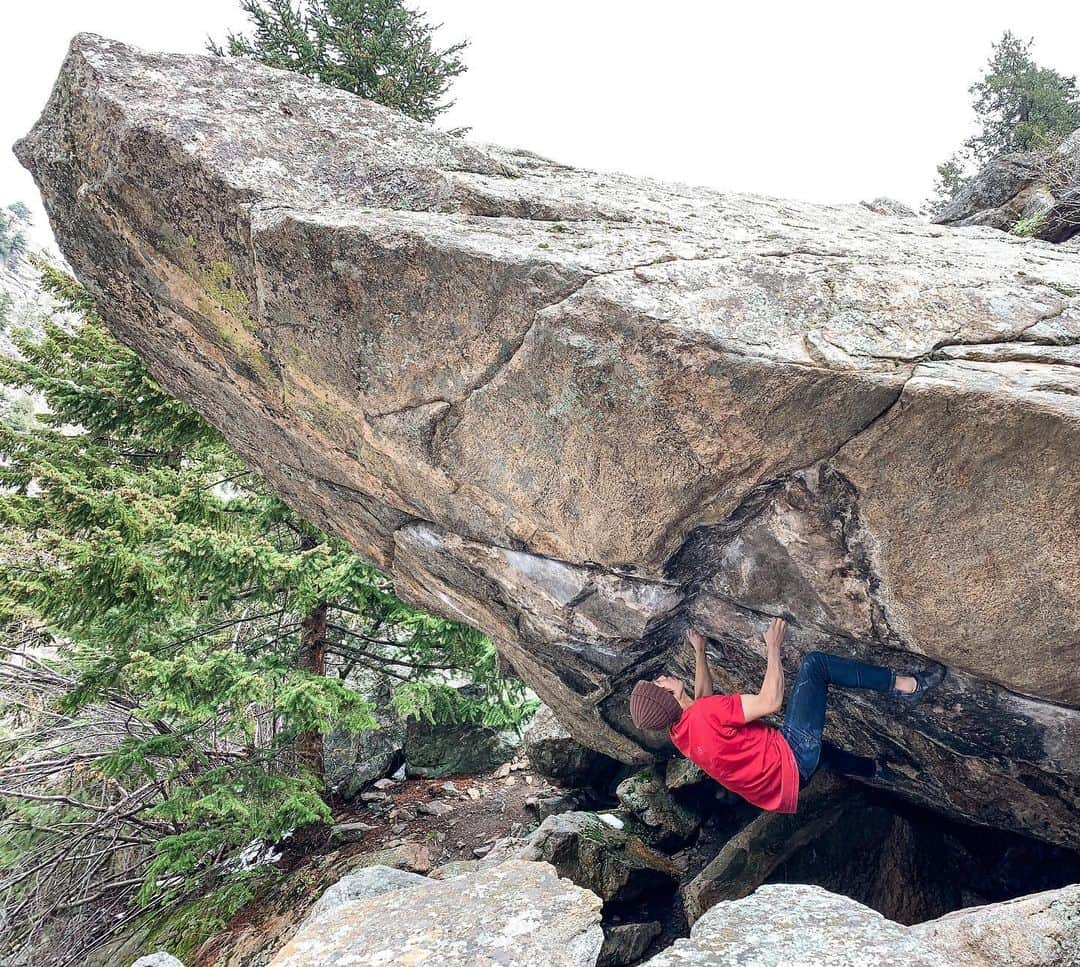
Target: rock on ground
x=1032 y=931
x=890 y=206
x=1035 y=193
x=434 y=751
x=613 y=863
x=579 y=410
x=514 y=914
x=645 y=795
x=370 y=881
x=749 y=857
x=782 y=925
x=785 y=924
x=354 y=760
x=624 y=943
x=554 y=753
x=158 y=959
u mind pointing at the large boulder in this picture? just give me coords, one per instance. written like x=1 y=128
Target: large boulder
x=1033 y=931
x=356 y=759
x=367 y=882
x=791 y=924
x=579 y=410
x=1035 y=193
x=645 y=795
x=517 y=914
x=434 y=751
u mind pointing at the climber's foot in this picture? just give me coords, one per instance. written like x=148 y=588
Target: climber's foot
x=913 y=688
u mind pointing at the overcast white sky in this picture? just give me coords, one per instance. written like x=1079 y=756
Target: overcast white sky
x=824 y=101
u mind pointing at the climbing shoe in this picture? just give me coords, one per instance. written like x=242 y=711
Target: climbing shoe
x=924 y=681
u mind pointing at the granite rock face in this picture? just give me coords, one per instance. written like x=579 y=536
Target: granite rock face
x=615 y=864
x=517 y=914
x=370 y=881
x=579 y=410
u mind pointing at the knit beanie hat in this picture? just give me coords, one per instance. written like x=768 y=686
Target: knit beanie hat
x=653 y=707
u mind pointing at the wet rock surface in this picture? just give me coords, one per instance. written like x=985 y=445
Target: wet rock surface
x=580 y=410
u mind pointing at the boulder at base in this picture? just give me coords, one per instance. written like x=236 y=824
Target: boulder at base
x=785 y=924
x=613 y=863
x=555 y=753
x=518 y=914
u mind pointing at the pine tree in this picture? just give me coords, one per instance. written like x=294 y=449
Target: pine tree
x=199 y=633
x=378 y=49
x=1019 y=106
x=13 y=241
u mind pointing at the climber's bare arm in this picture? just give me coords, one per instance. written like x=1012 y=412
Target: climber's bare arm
x=770 y=697
x=703 y=686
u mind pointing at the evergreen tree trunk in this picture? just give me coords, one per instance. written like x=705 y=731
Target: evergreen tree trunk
x=309 y=745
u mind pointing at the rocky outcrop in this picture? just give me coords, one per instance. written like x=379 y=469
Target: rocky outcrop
x=645 y=796
x=371 y=881
x=1043 y=929
x=611 y=861
x=514 y=914
x=579 y=410
x=1034 y=193
x=781 y=925
x=520 y=913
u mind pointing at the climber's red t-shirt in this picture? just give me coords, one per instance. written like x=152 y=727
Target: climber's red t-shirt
x=749 y=758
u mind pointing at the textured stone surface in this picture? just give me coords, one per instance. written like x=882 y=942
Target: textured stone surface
x=614 y=863
x=681 y=773
x=517 y=914
x=159 y=959
x=624 y=943
x=781 y=925
x=1042 y=930
x=368 y=882
x=578 y=410
x=748 y=859
x=645 y=795
x=434 y=751
x=355 y=759
x=554 y=753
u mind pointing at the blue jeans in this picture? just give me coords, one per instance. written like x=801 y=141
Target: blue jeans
x=805 y=718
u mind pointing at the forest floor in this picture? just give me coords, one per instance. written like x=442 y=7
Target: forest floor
x=415 y=824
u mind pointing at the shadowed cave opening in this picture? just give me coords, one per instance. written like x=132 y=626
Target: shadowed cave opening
x=907 y=862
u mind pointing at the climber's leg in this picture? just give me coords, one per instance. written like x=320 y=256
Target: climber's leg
x=805 y=718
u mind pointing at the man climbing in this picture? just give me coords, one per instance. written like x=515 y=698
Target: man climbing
x=722 y=734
